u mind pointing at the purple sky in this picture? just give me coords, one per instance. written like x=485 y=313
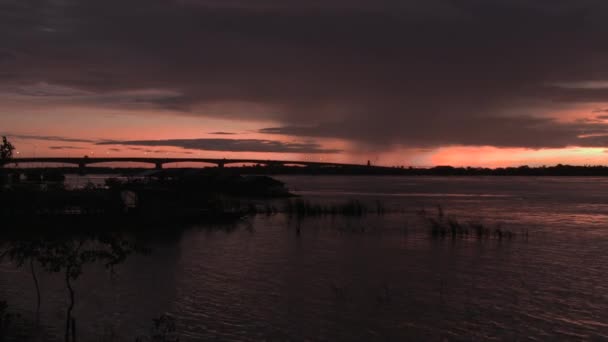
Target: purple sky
x=467 y=82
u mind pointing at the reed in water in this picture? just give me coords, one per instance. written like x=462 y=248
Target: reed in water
x=306 y=208
x=442 y=226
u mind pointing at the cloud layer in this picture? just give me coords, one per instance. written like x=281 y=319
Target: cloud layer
x=202 y=144
x=233 y=145
x=378 y=73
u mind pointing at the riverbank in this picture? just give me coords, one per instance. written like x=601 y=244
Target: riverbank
x=164 y=196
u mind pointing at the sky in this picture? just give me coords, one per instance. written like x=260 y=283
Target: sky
x=414 y=83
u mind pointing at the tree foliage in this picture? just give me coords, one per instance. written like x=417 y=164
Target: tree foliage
x=69 y=255
x=6 y=149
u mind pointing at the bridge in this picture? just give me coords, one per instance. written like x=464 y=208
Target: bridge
x=82 y=162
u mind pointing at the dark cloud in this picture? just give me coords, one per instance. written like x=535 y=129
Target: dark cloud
x=48 y=138
x=148 y=150
x=234 y=145
x=222 y=133
x=64 y=148
x=414 y=73
x=528 y=132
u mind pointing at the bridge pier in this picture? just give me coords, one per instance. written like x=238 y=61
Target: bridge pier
x=81 y=168
x=220 y=165
x=159 y=166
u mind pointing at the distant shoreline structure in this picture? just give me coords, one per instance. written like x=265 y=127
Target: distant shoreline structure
x=337 y=169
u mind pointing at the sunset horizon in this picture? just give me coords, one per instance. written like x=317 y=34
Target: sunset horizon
x=291 y=170
x=460 y=87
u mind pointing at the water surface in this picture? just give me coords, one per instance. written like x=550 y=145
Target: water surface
x=370 y=278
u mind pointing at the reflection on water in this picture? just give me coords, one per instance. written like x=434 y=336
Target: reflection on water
x=377 y=194
x=370 y=278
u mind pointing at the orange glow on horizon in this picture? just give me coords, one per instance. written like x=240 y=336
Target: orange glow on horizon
x=457 y=156
x=113 y=124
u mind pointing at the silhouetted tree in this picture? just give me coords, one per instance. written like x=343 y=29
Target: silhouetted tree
x=69 y=256
x=6 y=149
x=23 y=252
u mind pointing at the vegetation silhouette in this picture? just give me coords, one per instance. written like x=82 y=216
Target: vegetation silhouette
x=301 y=208
x=67 y=254
x=6 y=154
x=6 y=150
x=442 y=225
x=26 y=252
x=69 y=250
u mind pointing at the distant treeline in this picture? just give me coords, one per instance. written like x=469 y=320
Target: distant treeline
x=557 y=170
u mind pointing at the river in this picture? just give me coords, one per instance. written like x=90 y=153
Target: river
x=378 y=277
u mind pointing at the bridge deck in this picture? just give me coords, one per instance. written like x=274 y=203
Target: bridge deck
x=158 y=162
